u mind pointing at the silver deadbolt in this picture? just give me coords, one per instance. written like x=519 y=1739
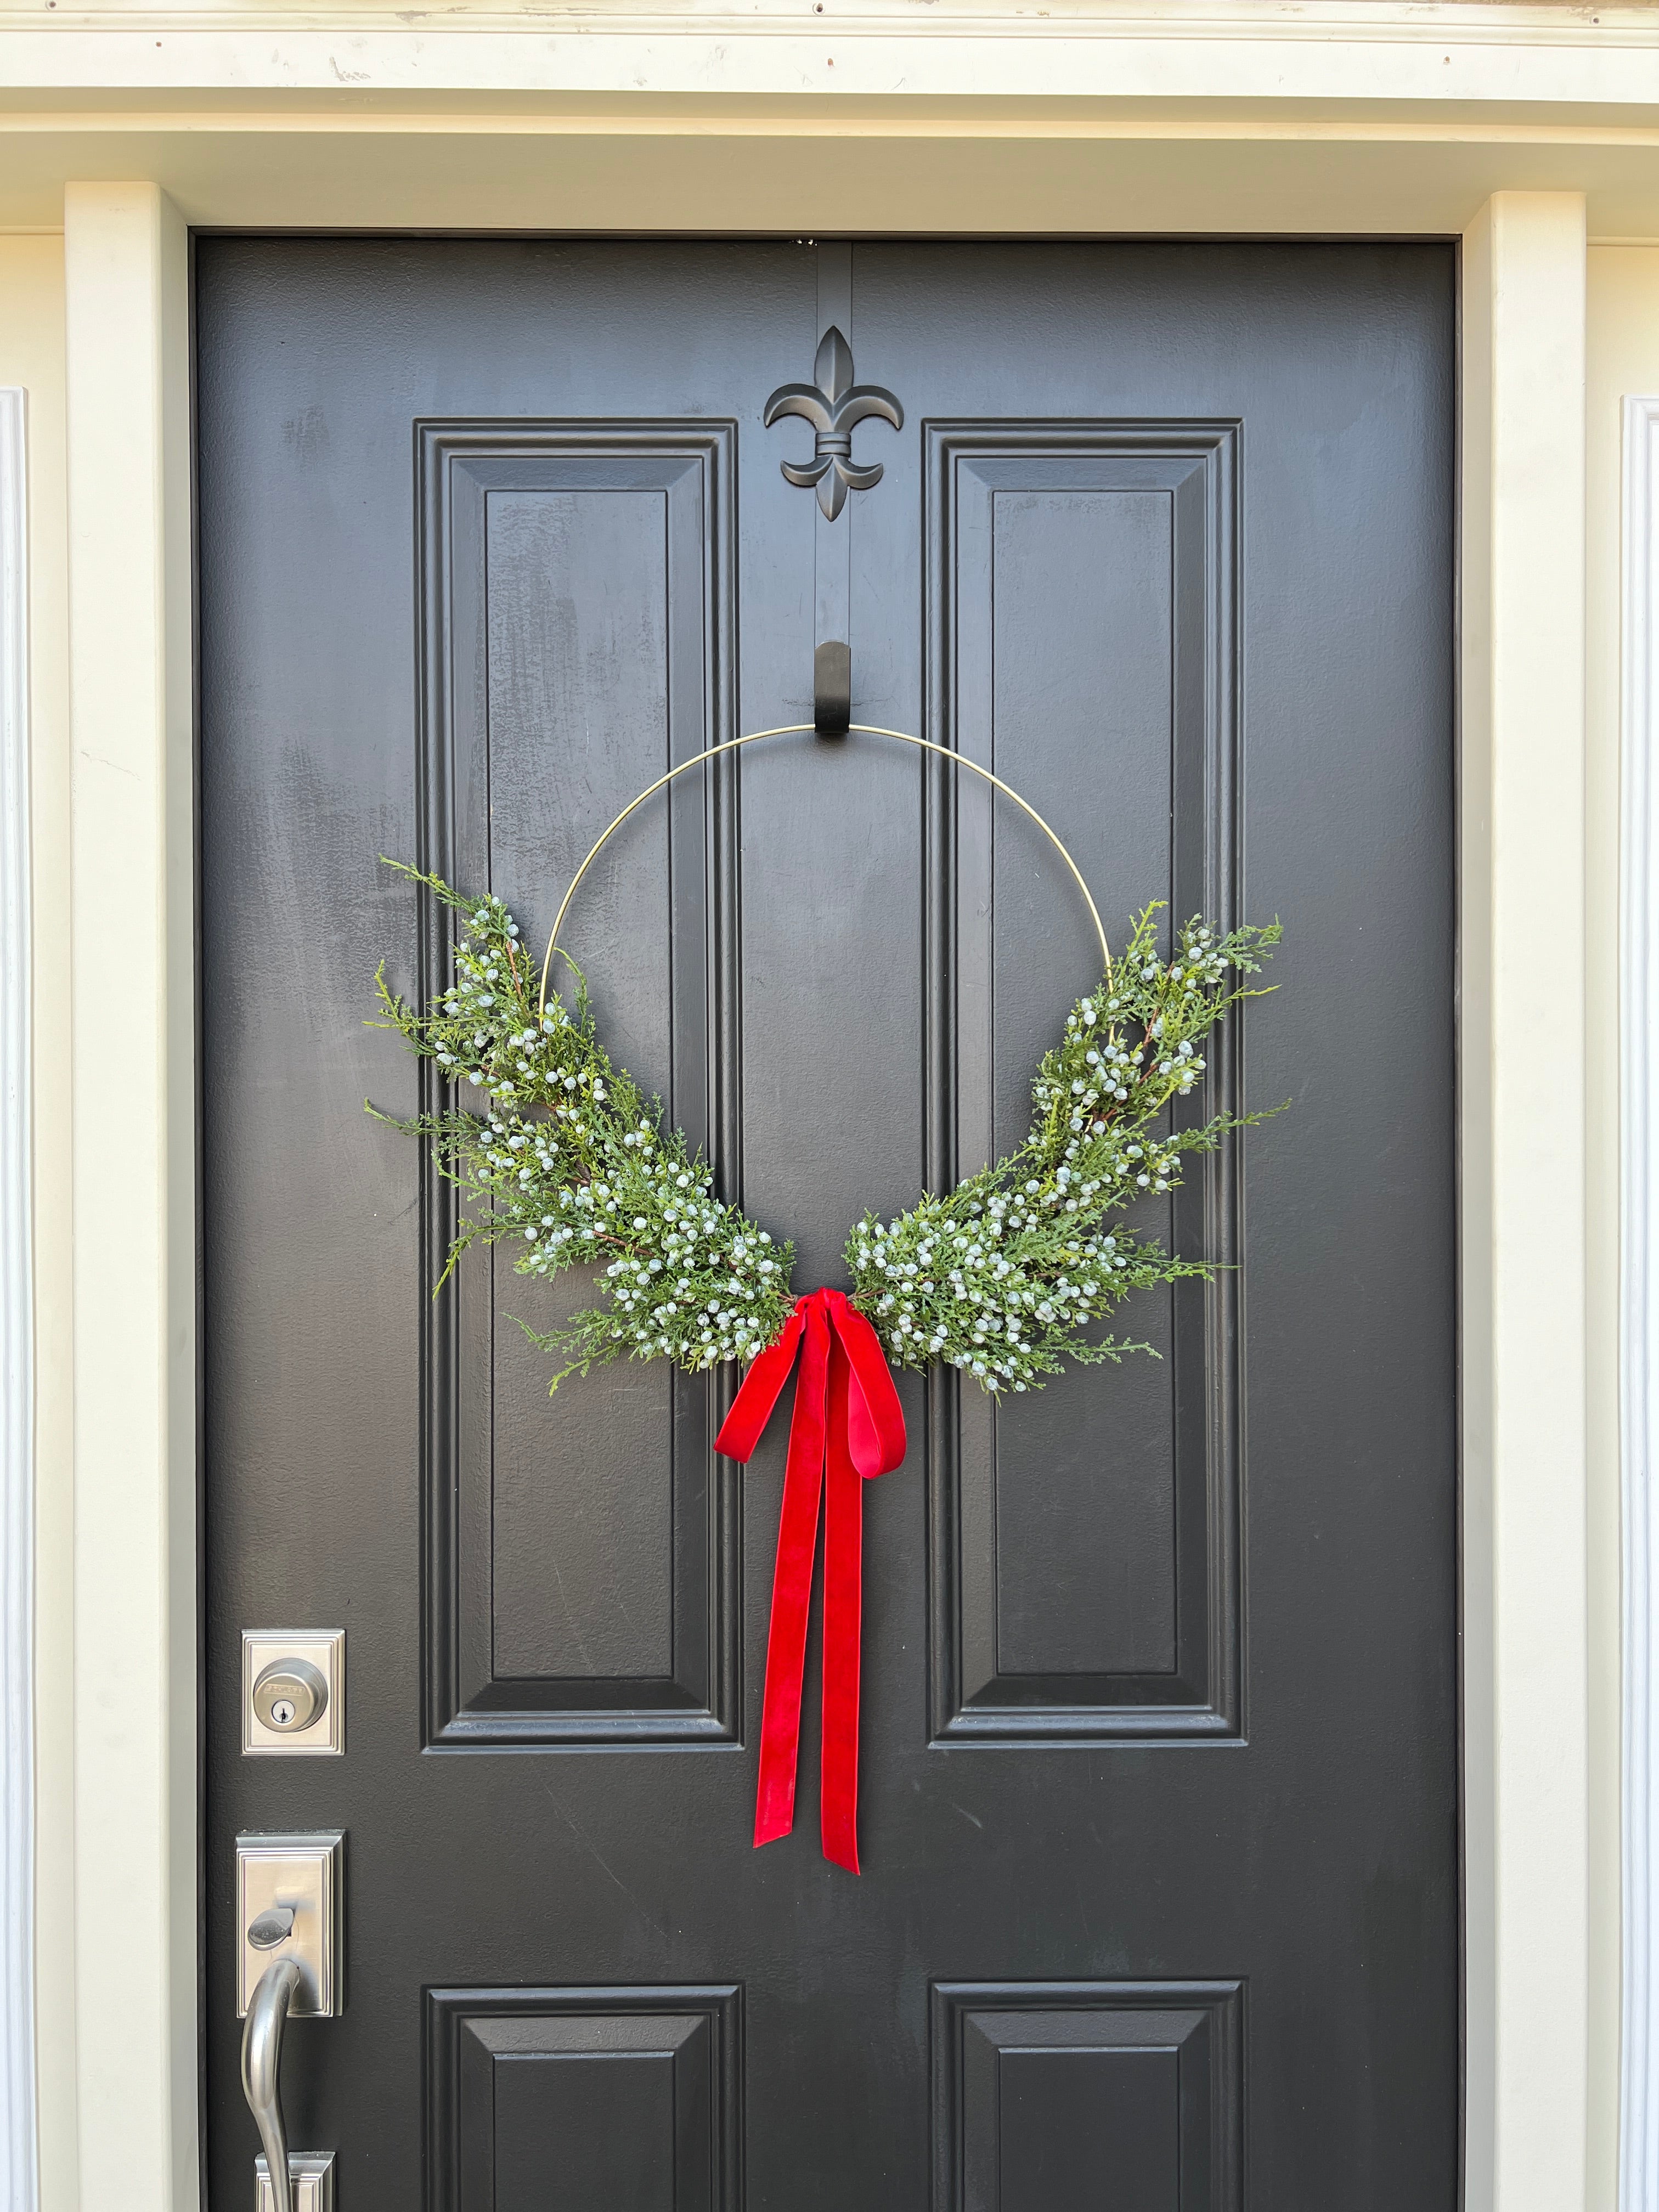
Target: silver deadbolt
x=290 y=1694
x=294 y=1695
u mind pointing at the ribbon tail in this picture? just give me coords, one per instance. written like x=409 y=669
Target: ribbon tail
x=843 y=1581
x=792 y=1589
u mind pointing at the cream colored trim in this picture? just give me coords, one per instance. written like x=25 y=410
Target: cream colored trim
x=1624 y=356
x=1077 y=115
x=1640 y=2127
x=1359 y=22
x=17 y=2122
x=727 y=157
x=1524 y=961
x=1524 y=1140
x=1443 y=58
x=134 y=1123
x=31 y=356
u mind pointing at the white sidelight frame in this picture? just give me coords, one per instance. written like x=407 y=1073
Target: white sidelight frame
x=17 y=2117
x=1638 y=2144
x=1523 y=816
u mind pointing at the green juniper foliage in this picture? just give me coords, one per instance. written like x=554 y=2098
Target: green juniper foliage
x=999 y=1278
x=573 y=1160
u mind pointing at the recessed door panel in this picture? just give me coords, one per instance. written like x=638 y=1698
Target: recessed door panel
x=563 y=2101
x=1124 y=2094
x=1086 y=648
x=575 y=585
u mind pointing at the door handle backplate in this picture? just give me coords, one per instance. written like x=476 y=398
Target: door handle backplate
x=289 y=1897
x=284 y=1875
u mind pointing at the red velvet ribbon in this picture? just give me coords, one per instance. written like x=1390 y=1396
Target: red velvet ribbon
x=846 y=1428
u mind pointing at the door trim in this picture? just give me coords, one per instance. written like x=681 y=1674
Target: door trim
x=17 y=2130
x=1523 y=740
x=1638 y=2149
x=132 y=907
x=1525 y=946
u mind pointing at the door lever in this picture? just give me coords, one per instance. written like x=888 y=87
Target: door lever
x=261 y=2058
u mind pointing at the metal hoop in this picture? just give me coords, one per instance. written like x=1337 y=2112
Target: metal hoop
x=806 y=729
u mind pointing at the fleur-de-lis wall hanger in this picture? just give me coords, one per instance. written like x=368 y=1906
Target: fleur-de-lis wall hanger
x=832 y=406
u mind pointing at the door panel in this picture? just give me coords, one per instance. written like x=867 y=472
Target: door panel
x=1042 y=2093
x=565 y=2101
x=1083 y=579
x=562 y=1607
x=1159 y=1787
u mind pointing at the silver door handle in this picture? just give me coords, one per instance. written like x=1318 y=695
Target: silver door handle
x=261 y=2058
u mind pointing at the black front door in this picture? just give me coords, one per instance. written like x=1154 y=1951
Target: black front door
x=1159 y=1785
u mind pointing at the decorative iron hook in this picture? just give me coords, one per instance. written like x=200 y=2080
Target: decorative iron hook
x=833 y=405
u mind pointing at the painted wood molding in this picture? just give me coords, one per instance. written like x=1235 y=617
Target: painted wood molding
x=17 y=2116
x=1525 y=1420
x=1638 y=2143
x=131 y=732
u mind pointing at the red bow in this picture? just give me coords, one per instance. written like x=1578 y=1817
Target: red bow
x=847 y=1424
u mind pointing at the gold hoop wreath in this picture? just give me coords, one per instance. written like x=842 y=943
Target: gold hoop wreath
x=807 y=729
x=999 y=1277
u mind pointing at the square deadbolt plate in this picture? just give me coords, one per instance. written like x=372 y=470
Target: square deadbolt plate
x=311 y=2174
x=304 y=1872
x=325 y=1648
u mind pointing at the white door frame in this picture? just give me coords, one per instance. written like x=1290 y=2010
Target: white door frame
x=1524 y=845
x=17 y=2131
x=1639 y=1304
